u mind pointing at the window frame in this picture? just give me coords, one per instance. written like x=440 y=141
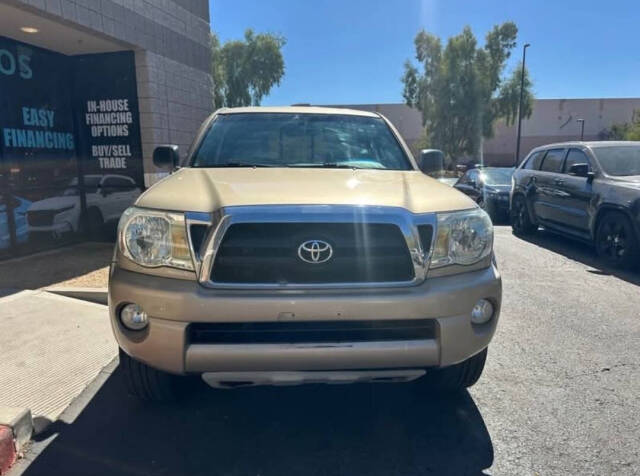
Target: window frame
x=563 y=159
x=531 y=158
x=566 y=158
x=130 y=183
x=475 y=178
x=194 y=149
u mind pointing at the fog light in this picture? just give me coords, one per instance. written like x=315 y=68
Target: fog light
x=133 y=317
x=482 y=312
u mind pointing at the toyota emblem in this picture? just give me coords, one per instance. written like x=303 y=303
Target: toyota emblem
x=315 y=251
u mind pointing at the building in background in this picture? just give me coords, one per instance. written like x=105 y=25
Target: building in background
x=553 y=120
x=88 y=89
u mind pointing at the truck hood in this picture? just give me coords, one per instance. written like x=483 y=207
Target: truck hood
x=206 y=190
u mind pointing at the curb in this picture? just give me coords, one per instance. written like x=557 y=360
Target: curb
x=16 y=427
x=8 y=452
x=95 y=295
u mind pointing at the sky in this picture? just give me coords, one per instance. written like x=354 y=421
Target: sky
x=353 y=51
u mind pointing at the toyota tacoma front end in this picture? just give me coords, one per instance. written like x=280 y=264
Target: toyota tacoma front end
x=301 y=245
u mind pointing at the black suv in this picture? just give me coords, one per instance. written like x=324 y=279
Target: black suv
x=587 y=190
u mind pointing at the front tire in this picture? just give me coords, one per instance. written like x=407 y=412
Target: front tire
x=519 y=216
x=456 y=377
x=147 y=383
x=616 y=242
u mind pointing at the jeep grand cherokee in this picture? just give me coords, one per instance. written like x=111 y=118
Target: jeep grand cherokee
x=300 y=245
x=585 y=190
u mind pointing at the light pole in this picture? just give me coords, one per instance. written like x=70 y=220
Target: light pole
x=581 y=121
x=524 y=55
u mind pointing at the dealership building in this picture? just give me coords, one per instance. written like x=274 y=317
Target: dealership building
x=88 y=88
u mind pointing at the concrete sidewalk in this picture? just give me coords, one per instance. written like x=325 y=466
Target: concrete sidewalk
x=52 y=347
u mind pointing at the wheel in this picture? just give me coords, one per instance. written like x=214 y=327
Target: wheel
x=147 y=383
x=456 y=377
x=616 y=242
x=520 y=219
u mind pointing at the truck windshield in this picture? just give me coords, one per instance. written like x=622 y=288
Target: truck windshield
x=619 y=160
x=300 y=140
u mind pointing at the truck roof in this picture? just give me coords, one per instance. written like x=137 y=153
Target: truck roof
x=296 y=110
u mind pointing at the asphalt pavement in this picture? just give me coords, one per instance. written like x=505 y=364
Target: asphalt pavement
x=560 y=395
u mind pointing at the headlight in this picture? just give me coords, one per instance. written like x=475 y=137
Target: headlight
x=462 y=238
x=154 y=238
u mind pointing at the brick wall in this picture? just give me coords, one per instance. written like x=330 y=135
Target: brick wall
x=174 y=99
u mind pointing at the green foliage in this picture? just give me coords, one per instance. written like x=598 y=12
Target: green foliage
x=625 y=131
x=617 y=132
x=509 y=97
x=460 y=90
x=244 y=71
x=423 y=142
x=633 y=132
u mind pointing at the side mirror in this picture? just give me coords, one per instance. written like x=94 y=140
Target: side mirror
x=579 y=170
x=166 y=156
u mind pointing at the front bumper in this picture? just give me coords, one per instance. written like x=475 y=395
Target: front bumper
x=172 y=304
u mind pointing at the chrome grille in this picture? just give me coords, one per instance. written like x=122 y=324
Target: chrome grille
x=255 y=246
x=269 y=253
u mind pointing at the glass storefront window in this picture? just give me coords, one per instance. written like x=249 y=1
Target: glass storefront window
x=70 y=151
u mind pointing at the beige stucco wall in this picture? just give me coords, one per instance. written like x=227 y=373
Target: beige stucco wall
x=553 y=120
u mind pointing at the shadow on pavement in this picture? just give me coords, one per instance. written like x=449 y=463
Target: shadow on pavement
x=310 y=430
x=55 y=266
x=581 y=252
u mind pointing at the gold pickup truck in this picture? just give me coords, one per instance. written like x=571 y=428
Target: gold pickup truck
x=301 y=245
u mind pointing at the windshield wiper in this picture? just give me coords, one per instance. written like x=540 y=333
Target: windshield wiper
x=336 y=165
x=241 y=164
x=328 y=165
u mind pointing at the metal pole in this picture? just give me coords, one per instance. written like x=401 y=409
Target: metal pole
x=581 y=121
x=524 y=55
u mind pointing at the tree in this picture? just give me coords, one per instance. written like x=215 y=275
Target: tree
x=624 y=131
x=508 y=98
x=460 y=89
x=244 y=71
x=634 y=131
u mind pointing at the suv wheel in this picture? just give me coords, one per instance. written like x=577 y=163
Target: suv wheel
x=520 y=219
x=616 y=242
x=456 y=377
x=147 y=383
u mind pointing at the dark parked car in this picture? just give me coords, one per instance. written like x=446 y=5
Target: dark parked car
x=586 y=190
x=490 y=188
